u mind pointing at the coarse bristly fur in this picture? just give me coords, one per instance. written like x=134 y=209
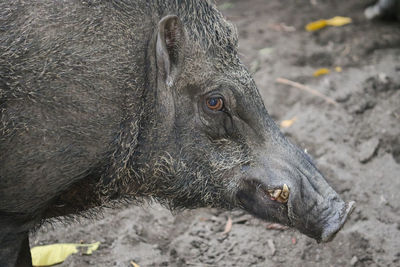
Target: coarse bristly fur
x=103 y=102
x=77 y=101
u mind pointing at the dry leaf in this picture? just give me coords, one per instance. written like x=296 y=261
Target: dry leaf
x=320 y=72
x=287 y=123
x=335 y=21
x=338 y=69
x=228 y=226
x=338 y=21
x=316 y=25
x=49 y=255
x=277 y=226
x=134 y=264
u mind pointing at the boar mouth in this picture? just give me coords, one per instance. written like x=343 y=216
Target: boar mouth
x=277 y=204
x=267 y=202
x=278 y=194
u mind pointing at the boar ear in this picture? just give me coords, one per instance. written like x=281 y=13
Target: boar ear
x=170 y=39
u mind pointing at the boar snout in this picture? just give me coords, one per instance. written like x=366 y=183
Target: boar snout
x=293 y=192
x=336 y=222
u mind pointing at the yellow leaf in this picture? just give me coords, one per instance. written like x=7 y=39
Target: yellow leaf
x=287 y=123
x=338 y=21
x=316 y=25
x=228 y=226
x=56 y=253
x=90 y=247
x=335 y=21
x=320 y=72
x=134 y=264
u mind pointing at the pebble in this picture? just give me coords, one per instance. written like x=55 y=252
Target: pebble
x=368 y=149
x=271 y=246
x=353 y=260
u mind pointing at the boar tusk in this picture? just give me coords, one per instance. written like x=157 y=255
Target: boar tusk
x=280 y=195
x=276 y=193
x=285 y=192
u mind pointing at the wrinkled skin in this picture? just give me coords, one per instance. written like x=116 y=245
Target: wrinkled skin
x=103 y=101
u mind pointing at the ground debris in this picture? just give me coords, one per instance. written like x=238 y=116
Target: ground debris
x=228 y=226
x=271 y=246
x=368 y=149
x=322 y=23
x=353 y=260
x=242 y=219
x=287 y=123
x=134 y=264
x=277 y=226
x=307 y=89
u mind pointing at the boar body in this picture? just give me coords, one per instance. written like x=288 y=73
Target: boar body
x=103 y=101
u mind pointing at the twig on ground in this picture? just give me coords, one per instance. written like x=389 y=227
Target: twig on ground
x=228 y=226
x=200 y=264
x=277 y=226
x=307 y=89
x=242 y=219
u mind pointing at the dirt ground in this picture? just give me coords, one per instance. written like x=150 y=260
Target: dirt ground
x=355 y=143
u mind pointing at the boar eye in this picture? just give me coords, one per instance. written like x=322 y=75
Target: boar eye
x=215 y=103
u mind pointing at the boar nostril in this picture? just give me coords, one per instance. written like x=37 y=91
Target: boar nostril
x=280 y=194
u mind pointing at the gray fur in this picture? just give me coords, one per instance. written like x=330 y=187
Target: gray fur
x=97 y=108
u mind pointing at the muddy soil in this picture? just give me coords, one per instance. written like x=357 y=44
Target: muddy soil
x=355 y=143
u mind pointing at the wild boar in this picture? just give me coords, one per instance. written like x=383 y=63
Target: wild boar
x=108 y=100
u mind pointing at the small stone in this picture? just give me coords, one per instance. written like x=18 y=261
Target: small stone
x=353 y=260
x=271 y=246
x=368 y=149
x=383 y=200
x=383 y=78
